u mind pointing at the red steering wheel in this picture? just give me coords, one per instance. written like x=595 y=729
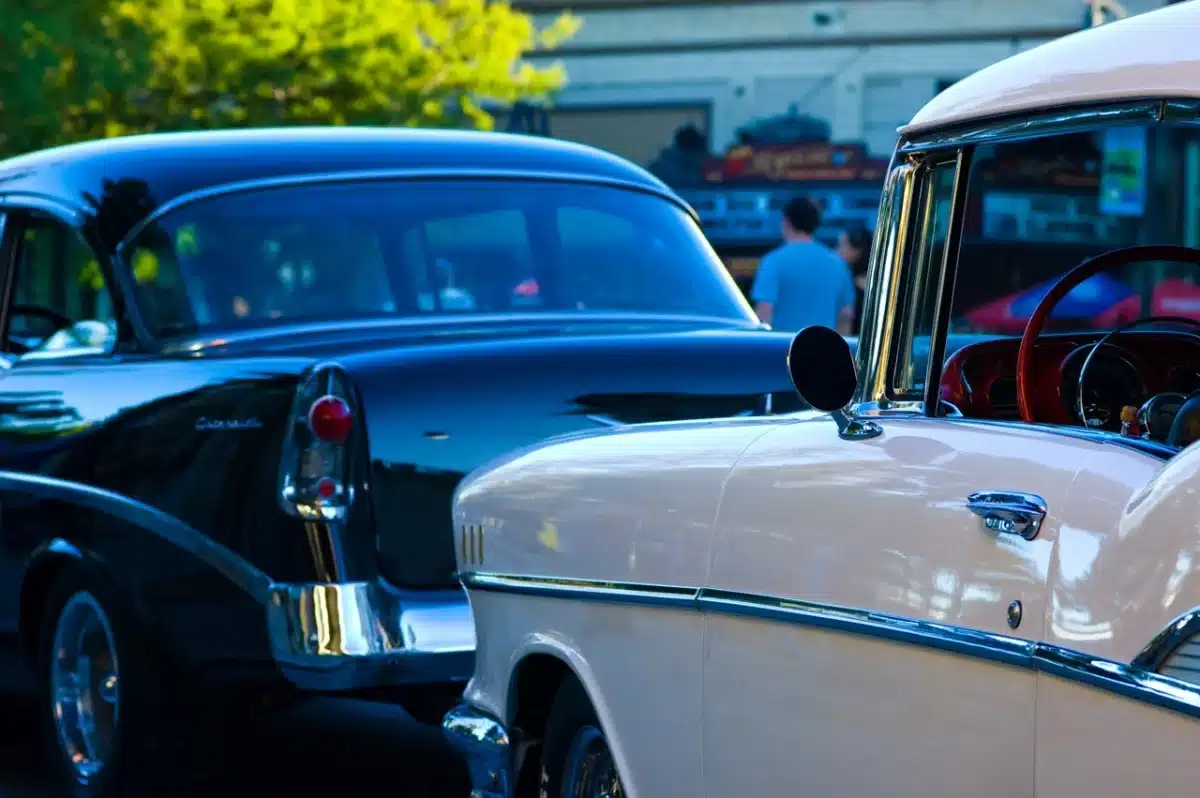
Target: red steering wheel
x=1073 y=278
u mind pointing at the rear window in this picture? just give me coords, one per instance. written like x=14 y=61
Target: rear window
x=426 y=248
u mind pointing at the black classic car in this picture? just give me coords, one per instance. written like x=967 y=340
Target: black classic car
x=243 y=372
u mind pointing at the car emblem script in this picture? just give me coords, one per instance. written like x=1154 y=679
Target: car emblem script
x=203 y=424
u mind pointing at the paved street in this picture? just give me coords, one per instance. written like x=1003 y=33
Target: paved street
x=325 y=747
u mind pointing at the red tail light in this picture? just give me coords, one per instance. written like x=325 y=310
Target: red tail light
x=315 y=480
x=330 y=419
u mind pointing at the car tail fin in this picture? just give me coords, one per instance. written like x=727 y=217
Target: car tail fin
x=314 y=475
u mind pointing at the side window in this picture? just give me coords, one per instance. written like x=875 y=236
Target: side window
x=922 y=278
x=61 y=306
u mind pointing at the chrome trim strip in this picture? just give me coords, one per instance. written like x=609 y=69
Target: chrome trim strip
x=361 y=175
x=956 y=640
x=1120 y=679
x=1165 y=643
x=227 y=562
x=583 y=589
x=1127 y=680
x=1023 y=126
x=1181 y=111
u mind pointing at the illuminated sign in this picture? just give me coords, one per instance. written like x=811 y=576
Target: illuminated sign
x=818 y=161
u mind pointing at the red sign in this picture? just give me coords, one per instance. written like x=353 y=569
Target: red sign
x=795 y=162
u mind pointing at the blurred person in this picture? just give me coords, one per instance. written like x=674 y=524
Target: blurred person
x=854 y=247
x=802 y=282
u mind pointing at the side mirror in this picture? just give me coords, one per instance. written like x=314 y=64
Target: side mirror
x=822 y=370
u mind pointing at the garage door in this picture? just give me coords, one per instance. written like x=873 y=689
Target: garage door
x=638 y=134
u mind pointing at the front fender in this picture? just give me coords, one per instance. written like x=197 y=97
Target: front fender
x=501 y=702
x=1162 y=517
x=1123 y=567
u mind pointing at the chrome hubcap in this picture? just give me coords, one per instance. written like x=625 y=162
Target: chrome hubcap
x=590 y=770
x=84 y=685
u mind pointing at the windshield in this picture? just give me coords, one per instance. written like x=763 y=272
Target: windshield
x=424 y=248
x=1037 y=208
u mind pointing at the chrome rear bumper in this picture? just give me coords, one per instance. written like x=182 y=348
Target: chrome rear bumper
x=345 y=636
x=485 y=744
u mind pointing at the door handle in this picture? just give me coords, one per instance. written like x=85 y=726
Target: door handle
x=1009 y=512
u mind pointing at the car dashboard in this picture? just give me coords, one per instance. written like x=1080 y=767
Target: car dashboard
x=1155 y=372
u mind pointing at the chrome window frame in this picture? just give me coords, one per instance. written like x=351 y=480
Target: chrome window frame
x=911 y=296
x=892 y=251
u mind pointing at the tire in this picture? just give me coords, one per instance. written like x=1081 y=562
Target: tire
x=93 y=661
x=576 y=760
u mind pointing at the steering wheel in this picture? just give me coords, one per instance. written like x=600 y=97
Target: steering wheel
x=59 y=320
x=1064 y=286
x=1080 y=406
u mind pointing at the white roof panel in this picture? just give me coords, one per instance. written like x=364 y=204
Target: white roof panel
x=1152 y=55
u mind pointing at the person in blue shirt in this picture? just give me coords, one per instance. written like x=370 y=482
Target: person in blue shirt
x=802 y=282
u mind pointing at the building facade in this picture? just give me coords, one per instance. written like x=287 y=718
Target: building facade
x=639 y=71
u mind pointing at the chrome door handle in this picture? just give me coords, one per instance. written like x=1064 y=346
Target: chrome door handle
x=1009 y=512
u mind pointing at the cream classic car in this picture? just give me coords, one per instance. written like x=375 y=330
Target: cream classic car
x=973 y=578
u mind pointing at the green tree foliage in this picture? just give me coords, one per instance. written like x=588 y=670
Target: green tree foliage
x=57 y=60
x=86 y=68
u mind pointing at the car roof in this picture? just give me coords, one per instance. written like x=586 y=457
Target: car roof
x=1155 y=55
x=123 y=179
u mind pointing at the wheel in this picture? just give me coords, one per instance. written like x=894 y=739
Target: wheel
x=576 y=760
x=112 y=726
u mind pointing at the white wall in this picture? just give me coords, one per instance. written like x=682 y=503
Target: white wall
x=865 y=92
x=867 y=71
x=749 y=21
